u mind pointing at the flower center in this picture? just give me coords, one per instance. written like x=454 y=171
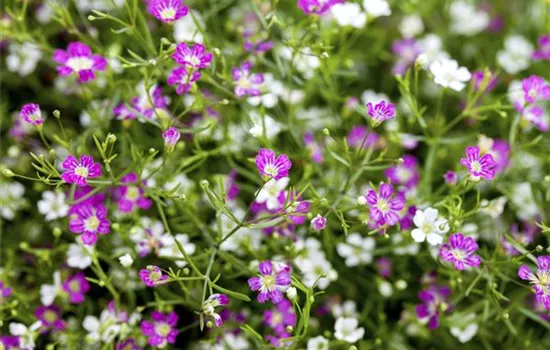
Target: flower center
x=244 y=83
x=50 y=316
x=459 y=254
x=74 y=286
x=81 y=171
x=427 y=227
x=277 y=318
x=80 y=63
x=132 y=193
x=154 y=276
x=403 y=174
x=271 y=170
x=91 y=223
x=269 y=282
x=475 y=166
x=168 y=13
x=163 y=329
x=383 y=205
x=194 y=60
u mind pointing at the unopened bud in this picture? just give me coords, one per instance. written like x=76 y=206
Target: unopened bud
x=291 y=293
x=224 y=101
x=57 y=114
x=505 y=315
x=8 y=173
x=539 y=248
x=289 y=329
x=111 y=138
x=326 y=132
x=209 y=324
x=152 y=150
x=153 y=62
x=115 y=226
x=165 y=41
x=217 y=51
x=91 y=18
x=401 y=285
x=24 y=245
x=362 y=200
x=324 y=55
x=57 y=232
x=205 y=184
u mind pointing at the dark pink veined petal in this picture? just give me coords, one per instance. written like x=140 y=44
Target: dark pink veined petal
x=524 y=272
x=433 y=323
x=255 y=283
x=70 y=163
x=86 y=75
x=100 y=63
x=79 y=49
x=266 y=268
x=155 y=340
x=473 y=260
x=276 y=296
x=385 y=191
x=172 y=319
x=282 y=279
x=456 y=240
x=543 y=263
x=263 y=296
x=158 y=316
x=422 y=311
x=76 y=225
x=372 y=197
x=391 y=218
x=60 y=56
x=172 y=335
x=472 y=153
x=147 y=328
x=89 y=238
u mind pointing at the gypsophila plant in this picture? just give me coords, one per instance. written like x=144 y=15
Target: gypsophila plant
x=297 y=174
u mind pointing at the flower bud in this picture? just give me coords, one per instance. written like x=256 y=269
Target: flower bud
x=8 y=173
x=204 y=184
x=171 y=137
x=57 y=114
x=57 y=232
x=362 y=200
x=319 y=223
x=324 y=55
x=126 y=260
x=291 y=293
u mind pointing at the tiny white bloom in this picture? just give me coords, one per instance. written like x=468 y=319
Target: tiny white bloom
x=516 y=55
x=447 y=73
x=185 y=28
x=170 y=248
x=466 y=19
x=376 y=8
x=432 y=50
x=411 y=26
x=493 y=208
x=23 y=58
x=271 y=129
x=53 y=205
x=385 y=288
x=291 y=293
x=347 y=309
x=305 y=60
x=429 y=227
x=468 y=331
x=346 y=329
x=269 y=193
x=126 y=260
x=349 y=14
x=48 y=292
x=357 y=249
x=26 y=334
x=317 y=343
x=79 y=255
x=11 y=199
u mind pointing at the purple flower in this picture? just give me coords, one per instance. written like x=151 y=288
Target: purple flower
x=5 y=291
x=405 y=173
x=76 y=286
x=209 y=305
x=171 y=137
x=360 y=137
x=407 y=51
x=434 y=299
x=50 y=316
x=246 y=82
x=478 y=77
x=232 y=186
x=383 y=265
x=543 y=53
x=384 y=209
x=498 y=149
x=131 y=196
x=90 y=221
x=271 y=167
x=450 y=177
x=31 y=114
x=10 y=342
x=381 y=111
x=270 y=283
x=317 y=7
x=314 y=149
x=78 y=172
x=280 y=316
x=318 y=223
x=161 y=330
x=142 y=103
x=82 y=197
x=535 y=89
x=195 y=57
x=535 y=116
x=460 y=251
x=122 y=112
x=479 y=167
x=152 y=276
x=540 y=279
x=524 y=238
x=257 y=46
x=127 y=344
x=183 y=78
x=167 y=11
x=78 y=59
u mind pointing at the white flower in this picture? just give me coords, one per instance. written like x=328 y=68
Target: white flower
x=170 y=249
x=106 y=328
x=466 y=333
x=377 y=8
x=305 y=61
x=432 y=50
x=466 y=19
x=272 y=89
x=291 y=293
x=44 y=13
x=401 y=249
x=231 y=341
x=53 y=205
x=181 y=183
x=447 y=73
x=357 y=249
x=349 y=14
x=385 y=288
x=493 y=208
x=126 y=260
x=317 y=343
x=147 y=236
x=11 y=199
x=272 y=127
x=185 y=28
x=429 y=227
x=26 y=335
x=242 y=237
x=516 y=55
x=48 y=292
x=269 y=193
x=346 y=329
x=317 y=270
x=523 y=199
x=347 y=309
x=79 y=255
x=411 y=26
x=23 y=58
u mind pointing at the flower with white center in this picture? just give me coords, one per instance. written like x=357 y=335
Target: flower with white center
x=26 y=334
x=170 y=248
x=493 y=208
x=23 y=58
x=516 y=55
x=430 y=227
x=269 y=193
x=79 y=255
x=376 y=8
x=186 y=30
x=11 y=199
x=272 y=127
x=411 y=26
x=349 y=14
x=357 y=249
x=346 y=329
x=466 y=19
x=317 y=343
x=469 y=329
x=126 y=260
x=53 y=205
x=48 y=292
x=347 y=309
x=448 y=74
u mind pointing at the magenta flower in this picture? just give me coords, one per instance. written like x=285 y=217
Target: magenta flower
x=434 y=300
x=450 y=177
x=381 y=111
x=50 y=316
x=10 y=342
x=280 y=316
x=82 y=198
x=142 y=103
x=209 y=305
x=5 y=291
x=271 y=167
x=131 y=195
x=171 y=137
x=405 y=173
x=270 y=283
x=161 y=330
x=183 y=78
x=540 y=280
x=535 y=116
x=76 y=286
x=246 y=82
x=195 y=57
x=535 y=89
x=318 y=223
x=384 y=209
x=313 y=147
x=90 y=221
x=257 y=46
x=78 y=172
x=543 y=52
x=479 y=76
x=152 y=276
x=360 y=137
x=407 y=51
x=479 y=167
x=31 y=114
x=122 y=112
x=127 y=344
x=317 y=7
x=78 y=59
x=524 y=237
x=167 y=11
x=231 y=185
x=460 y=251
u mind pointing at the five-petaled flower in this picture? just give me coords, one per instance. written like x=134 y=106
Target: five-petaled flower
x=384 y=208
x=78 y=172
x=540 y=279
x=270 y=283
x=90 y=221
x=195 y=57
x=78 y=59
x=381 y=111
x=161 y=330
x=460 y=251
x=167 y=11
x=210 y=304
x=31 y=114
x=272 y=167
x=246 y=82
x=479 y=167
x=152 y=276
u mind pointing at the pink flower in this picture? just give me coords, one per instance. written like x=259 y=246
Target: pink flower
x=76 y=286
x=161 y=330
x=407 y=51
x=209 y=305
x=130 y=196
x=479 y=167
x=314 y=148
x=535 y=89
x=381 y=111
x=460 y=251
x=317 y=7
x=405 y=173
x=434 y=300
x=543 y=53
x=90 y=221
x=450 y=177
x=78 y=172
x=152 y=276
x=183 y=77
x=360 y=137
x=246 y=83
x=5 y=291
x=167 y=11
x=271 y=167
x=171 y=137
x=319 y=223
x=50 y=316
x=384 y=209
x=122 y=112
x=195 y=57
x=231 y=185
x=280 y=316
x=540 y=279
x=535 y=115
x=31 y=114
x=479 y=76
x=78 y=59
x=270 y=283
